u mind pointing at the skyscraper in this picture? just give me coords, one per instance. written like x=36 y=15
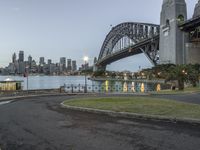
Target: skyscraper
x=14 y=58
x=62 y=64
x=74 y=66
x=41 y=61
x=49 y=61
x=29 y=59
x=21 y=56
x=69 y=64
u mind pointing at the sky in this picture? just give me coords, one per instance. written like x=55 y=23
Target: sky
x=70 y=28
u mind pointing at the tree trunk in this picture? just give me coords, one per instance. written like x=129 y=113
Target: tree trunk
x=180 y=84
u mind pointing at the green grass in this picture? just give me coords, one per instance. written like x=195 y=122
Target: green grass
x=141 y=105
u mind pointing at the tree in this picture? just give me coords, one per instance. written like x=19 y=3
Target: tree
x=192 y=73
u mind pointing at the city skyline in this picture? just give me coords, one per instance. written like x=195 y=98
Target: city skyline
x=21 y=65
x=68 y=28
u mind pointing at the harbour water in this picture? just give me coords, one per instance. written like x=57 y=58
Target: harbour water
x=46 y=82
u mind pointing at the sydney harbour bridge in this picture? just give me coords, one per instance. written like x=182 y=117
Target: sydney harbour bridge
x=161 y=44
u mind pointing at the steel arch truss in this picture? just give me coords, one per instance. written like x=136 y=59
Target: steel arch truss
x=144 y=36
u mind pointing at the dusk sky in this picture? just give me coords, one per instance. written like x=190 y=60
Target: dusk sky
x=69 y=28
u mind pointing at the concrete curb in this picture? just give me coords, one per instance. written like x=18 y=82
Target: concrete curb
x=64 y=94
x=133 y=115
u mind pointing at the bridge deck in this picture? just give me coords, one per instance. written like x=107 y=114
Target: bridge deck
x=190 y=25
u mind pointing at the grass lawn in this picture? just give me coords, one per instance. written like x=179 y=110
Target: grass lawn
x=141 y=105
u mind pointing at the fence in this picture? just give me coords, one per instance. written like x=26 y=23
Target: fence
x=126 y=88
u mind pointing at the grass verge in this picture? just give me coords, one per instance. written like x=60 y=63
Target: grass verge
x=141 y=105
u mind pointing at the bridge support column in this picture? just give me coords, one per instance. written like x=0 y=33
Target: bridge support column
x=172 y=39
x=193 y=53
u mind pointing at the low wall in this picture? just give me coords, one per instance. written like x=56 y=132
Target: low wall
x=29 y=92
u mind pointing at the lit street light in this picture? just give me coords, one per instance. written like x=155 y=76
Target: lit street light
x=85 y=61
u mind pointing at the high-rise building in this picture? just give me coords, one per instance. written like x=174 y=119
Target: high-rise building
x=69 y=64
x=41 y=61
x=62 y=64
x=49 y=61
x=21 y=68
x=29 y=59
x=74 y=66
x=21 y=56
x=14 y=58
x=30 y=62
x=63 y=60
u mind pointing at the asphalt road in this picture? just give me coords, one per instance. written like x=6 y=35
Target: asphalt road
x=189 y=98
x=41 y=124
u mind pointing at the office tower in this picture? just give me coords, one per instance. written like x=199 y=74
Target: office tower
x=41 y=62
x=69 y=64
x=74 y=66
x=21 y=56
x=30 y=62
x=21 y=68
x=49 y=61
x=62 y=64
x=29 y=59
x=14 y=58
x=63 y=60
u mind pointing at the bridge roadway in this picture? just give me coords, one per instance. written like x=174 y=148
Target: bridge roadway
x=190 y=25
x=40 y=123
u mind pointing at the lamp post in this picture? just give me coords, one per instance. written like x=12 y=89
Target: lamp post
x=85 y=61
x=26 y=75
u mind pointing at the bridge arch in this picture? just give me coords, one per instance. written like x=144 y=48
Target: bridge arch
x=142 y=37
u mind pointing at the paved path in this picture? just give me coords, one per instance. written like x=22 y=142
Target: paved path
x=41 y=124
x=189 y=98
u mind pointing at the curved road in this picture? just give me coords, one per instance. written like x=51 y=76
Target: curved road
x=41 y=124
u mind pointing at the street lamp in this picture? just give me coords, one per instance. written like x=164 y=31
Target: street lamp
x=26 y=75
x=85 y=61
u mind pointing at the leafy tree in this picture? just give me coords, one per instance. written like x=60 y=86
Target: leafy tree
x=192 y=73
x=177 y=73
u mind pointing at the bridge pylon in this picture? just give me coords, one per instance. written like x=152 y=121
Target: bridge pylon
x=172 y=39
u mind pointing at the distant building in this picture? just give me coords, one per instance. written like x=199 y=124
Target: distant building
x=14 y=58
x=21 y=56
x=30 y=59
x=74 y=66
x=52 y=69
x=11 y=68
x=34 y=68
x=21 y=69
x=30 y=62
x=62 y=64
x=10 y=85
x=49 y=61
x=41 y=62
x=19 y=66
x=69 y=65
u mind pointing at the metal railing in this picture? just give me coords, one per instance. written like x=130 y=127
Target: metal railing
x=137 y=88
